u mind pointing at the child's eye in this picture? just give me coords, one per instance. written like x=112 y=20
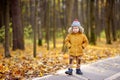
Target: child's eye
x=75 y=28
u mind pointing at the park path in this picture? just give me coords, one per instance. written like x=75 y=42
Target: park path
x=106 y=69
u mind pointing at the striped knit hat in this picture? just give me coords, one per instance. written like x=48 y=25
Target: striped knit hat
x=76 y=23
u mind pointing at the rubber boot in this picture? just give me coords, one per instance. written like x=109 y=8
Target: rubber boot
x=69 y=72
x=78 y=71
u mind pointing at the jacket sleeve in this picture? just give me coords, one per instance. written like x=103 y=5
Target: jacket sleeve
x=85 y=41
x=67 y=41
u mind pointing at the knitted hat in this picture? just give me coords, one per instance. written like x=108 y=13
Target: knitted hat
x=76 y=23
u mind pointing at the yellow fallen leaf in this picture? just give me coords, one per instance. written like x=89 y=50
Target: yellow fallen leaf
x=41 y=74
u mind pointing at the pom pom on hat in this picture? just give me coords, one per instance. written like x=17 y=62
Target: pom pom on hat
x=76 y=23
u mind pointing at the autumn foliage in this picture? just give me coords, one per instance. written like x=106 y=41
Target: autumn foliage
x=22 y=65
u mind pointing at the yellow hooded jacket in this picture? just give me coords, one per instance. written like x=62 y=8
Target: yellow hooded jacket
x=76 y=42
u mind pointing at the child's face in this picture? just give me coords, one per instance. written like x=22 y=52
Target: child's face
x=75 y=29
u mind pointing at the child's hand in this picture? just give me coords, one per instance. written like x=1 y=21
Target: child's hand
x=69 y=47
x=82 y=47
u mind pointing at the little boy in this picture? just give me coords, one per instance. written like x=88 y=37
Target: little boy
x=75 y=41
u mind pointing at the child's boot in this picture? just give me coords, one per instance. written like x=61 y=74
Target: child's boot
x=69 y=71
x=78 y=71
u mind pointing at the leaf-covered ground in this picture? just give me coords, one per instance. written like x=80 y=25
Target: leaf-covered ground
x=22 y=65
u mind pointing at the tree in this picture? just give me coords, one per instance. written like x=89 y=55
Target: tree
x=7 y=52
x=69 y=9
x=34 y=30
x=102 y=15
x=92 y=23
x=113 y=21
x=33 y=23
x=97 y=20
x=75 y=10
x=54 y=24
x=40 y=21
x=63 y=21
x=68 y=18
x=2 y=11
x=47 y=23
x=18 y=38
x=88 y=19
x=108 y=21
x=82 y=18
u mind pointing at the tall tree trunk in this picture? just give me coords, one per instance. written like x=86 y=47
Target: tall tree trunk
x=97 y=19
x=69 y=9
x=7 y=52
x=92 y=23
x=2 y=19
x=68 y=19
x=40 y=14
x=47 y=23
x=35 y=31
x=75 y=9
x=2 y=10
x=88 y=19
x=59 y=13
x=33 y=24
x=117 y=19
x=54 y=26
x=32 y=13
x=18 y=38
x=108 y=20
x=118 y=13
x=113 y=20
x=82 y=12
x=102 y=15
x=63 y=21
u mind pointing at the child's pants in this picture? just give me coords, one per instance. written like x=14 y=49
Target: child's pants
x=78 y=61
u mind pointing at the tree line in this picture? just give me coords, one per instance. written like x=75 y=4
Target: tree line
x=47 y=18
